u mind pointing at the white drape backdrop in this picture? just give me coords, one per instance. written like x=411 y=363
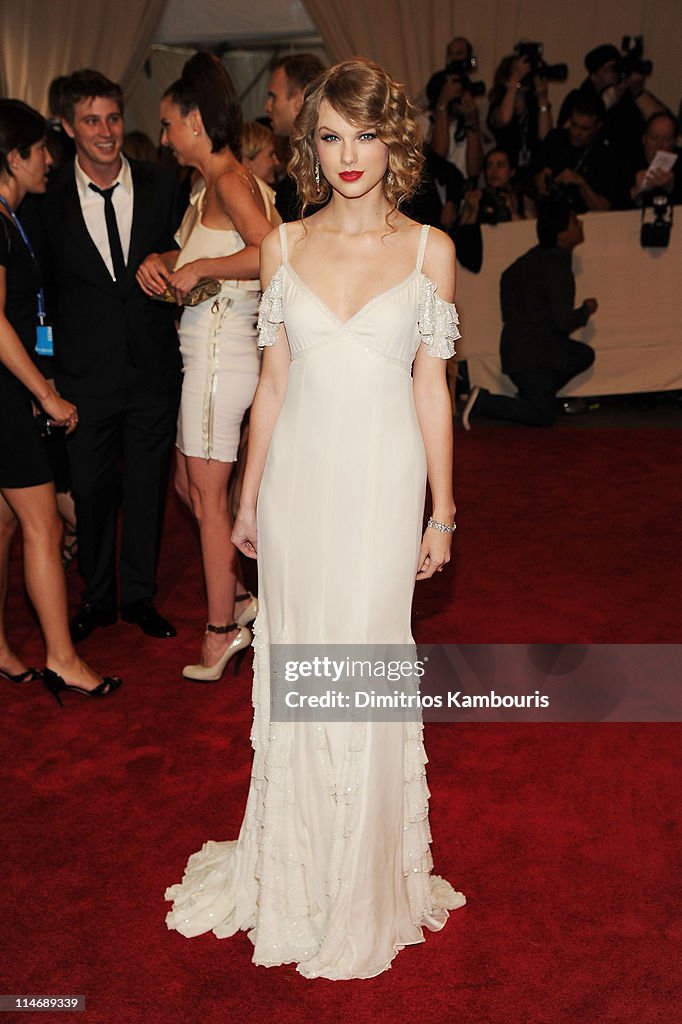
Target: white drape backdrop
x=40 y=39
x=409 y=36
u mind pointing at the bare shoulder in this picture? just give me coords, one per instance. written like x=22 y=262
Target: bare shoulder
x=440 y=263
x=235 y=186
x=270 y=246
x=296 y=230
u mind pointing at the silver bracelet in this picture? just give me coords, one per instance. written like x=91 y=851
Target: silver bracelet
x=441 y=527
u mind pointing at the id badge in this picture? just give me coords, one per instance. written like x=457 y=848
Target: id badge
x=44 y=344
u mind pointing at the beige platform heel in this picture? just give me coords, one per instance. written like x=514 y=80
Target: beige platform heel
x=235 y=649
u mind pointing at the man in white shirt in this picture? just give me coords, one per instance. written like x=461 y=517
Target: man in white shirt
x=116 y=352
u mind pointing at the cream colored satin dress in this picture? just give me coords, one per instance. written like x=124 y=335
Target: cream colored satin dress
x=332 y=867
x=220 y=357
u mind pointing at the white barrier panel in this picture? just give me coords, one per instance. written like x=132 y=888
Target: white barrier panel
x=637 y=330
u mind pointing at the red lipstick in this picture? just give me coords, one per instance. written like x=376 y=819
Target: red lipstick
x=351 y=175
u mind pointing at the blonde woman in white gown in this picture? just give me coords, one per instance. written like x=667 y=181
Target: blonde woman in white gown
x=332 y=867
x=219 y=238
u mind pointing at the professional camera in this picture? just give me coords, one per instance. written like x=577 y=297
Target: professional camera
x=631 y=62
x=538 y=66
x=656 y=234
x=461 y=69
x=493 y=208
x=567 y=193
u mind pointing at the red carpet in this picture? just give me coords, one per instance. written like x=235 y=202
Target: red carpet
x=565 y=838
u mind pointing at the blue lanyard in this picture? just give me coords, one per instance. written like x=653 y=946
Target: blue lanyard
x=15 y=221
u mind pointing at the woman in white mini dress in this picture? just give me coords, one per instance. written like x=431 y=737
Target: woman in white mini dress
x=219 y=238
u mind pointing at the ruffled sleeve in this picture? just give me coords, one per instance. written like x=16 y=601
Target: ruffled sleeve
x=437 y=321
x=270 y=314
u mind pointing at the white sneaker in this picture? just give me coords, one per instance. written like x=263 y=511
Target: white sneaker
x=468 y=408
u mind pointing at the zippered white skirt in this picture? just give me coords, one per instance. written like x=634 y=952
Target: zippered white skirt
x=221 y=366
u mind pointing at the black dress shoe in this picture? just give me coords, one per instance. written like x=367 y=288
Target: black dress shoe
x=144 y=614
x=87 y=618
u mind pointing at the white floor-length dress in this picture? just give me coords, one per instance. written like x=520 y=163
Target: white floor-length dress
x=332 y=867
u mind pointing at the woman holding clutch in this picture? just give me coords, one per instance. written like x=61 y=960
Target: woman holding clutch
x=219 y=237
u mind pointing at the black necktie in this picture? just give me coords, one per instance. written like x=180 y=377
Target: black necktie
x=115 y=246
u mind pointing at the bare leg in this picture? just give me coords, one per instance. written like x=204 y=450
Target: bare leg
x=181 y=479
x=208 y=480
x=36 y=510
x=8 y=524
x=67 y=508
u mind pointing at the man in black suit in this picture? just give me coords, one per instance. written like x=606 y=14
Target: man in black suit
x=537 y=295
x=116 y=351
x=289 y=77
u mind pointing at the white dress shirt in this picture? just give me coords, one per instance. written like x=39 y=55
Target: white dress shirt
x=92 y=206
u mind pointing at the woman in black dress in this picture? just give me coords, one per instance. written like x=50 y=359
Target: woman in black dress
x=27 y=492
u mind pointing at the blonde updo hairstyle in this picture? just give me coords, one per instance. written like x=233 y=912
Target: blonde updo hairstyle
x=255 y=137
x=363 y=94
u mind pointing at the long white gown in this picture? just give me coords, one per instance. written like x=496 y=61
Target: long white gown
x=332 y=867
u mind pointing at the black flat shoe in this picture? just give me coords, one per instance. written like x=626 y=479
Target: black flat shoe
x=31 y=675
x=87 y=618
x=55 y=684
x=144 y=614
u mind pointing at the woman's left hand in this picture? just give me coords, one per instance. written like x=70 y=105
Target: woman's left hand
x=434 y=553
x=186 y=278
x=245 y=532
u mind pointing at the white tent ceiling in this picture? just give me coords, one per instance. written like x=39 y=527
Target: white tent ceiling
x=214 y=21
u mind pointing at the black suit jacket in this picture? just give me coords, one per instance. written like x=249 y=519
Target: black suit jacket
x=537 y=293
x=101 y=328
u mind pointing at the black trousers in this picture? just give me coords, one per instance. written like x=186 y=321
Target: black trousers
x=119 y=457
x=535 y=404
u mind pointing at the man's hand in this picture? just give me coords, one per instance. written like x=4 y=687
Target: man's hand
x=657 y=178
x=452 y=90
x=569 y=177
x=152 y=275
x=543 y=180
x=591 y=305
x=469 y=109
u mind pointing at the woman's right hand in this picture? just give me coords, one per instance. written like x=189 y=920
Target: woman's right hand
x=245 y=532
x=152 y=275
x=61 y=412
x=520 y=69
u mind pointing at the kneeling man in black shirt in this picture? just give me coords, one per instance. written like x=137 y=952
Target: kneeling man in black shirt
x=537 y=293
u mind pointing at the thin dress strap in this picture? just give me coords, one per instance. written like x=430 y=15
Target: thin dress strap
x=283 y=243
x=422 y=246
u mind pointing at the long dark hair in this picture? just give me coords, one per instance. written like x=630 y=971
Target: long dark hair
x=205 y=85
x=20 y=128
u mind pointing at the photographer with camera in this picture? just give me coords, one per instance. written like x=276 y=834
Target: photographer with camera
x=501 y=200
x=577 y=164
x=618 y=78
x=454 y=129
x=520 y=113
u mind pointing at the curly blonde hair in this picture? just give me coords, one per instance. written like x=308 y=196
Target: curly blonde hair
x=364 y=95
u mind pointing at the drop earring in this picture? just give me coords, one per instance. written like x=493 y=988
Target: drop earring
x=389 y=177
x=317 y=171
